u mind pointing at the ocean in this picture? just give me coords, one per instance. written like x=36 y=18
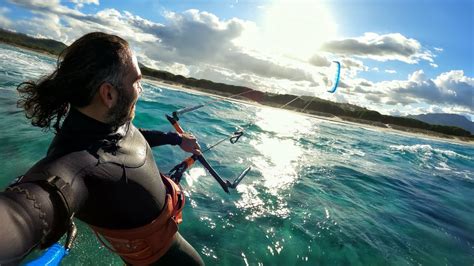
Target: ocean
x=319 y=192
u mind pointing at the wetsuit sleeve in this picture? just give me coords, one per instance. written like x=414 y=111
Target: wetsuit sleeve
x=28 y=214
x=158 y=138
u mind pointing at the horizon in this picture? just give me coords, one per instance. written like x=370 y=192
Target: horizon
x=397 y=58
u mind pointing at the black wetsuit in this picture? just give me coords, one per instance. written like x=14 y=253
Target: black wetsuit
x=113 y=182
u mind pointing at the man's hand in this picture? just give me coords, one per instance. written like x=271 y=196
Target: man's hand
x=190 y=144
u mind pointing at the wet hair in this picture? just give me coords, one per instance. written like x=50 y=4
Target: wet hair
x=81 y=68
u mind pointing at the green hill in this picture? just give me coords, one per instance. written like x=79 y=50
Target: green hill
x=41 y=45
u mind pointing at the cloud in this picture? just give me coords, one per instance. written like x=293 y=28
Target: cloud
x=449 y=88
x=198 y=35
x=319 y=61
x=45 y=25
x=37 y=4
x=81 y=3
x=390 y=71
x=351 y=67
x=48 y=6
x=195 y=39
x=201 y=38
x=366 y=83
x=4 y=21
x=358 y=89
x=343 y=85
x=383 y=48
x=449 y=92
x=373 y=98
x=353 y=63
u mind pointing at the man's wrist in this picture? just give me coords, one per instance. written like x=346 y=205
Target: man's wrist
x=177 y=138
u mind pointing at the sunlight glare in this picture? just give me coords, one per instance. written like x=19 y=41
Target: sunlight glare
x=295 y=28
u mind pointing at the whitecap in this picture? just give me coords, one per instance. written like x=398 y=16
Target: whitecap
x=427 y=150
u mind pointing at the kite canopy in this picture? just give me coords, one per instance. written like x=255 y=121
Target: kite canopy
x=337 y=75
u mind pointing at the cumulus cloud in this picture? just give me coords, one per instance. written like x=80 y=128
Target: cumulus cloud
x=358 y=89
x=373 y=98
x=365 y=83
x=353 y=63
x=343 y=85
x=4 y=21
x=201 y=38
x=449 y=92
x=191 y=38
x=81 y=3
x=386 y=47
x=390 y=71
x=45 y=25
x=351 y=67
x=319 y=61
x=37 y=4
x=197 y=35
x=449 y=88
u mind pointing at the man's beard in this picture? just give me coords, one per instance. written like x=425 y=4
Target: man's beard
x=120 y=113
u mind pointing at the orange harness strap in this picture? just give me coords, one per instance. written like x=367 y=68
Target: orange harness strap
x=145 y=245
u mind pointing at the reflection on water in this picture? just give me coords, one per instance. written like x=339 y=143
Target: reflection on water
x=278 y=158
x=277 y=161
x=283 y=123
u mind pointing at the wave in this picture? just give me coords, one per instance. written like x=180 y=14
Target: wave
x=427 y=150
x=17 y=64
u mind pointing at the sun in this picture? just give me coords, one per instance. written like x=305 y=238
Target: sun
x=293 y=28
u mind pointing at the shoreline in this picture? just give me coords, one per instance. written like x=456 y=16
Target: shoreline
x=335 y=119
x=39 y=51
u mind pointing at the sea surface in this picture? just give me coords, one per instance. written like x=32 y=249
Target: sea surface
x=319 y=193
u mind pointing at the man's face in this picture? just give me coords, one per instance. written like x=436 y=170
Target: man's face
x=124 y=109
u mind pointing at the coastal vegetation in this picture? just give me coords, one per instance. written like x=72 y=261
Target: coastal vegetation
x=41 y=45
x=306 y=104
x=311 y=105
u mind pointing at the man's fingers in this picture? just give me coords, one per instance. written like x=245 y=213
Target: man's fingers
x=197 y=152
x=189 y=135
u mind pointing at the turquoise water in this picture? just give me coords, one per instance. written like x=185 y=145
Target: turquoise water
x=320 y=193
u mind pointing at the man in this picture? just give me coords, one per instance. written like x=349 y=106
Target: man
x=99 y=168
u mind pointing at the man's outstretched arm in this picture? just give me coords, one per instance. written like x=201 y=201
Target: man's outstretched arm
x=27 y=214
x=158 y=138
x=30 y=215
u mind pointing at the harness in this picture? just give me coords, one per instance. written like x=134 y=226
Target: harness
x=146 y=244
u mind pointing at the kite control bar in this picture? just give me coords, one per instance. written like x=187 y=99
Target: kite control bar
x=177 y=171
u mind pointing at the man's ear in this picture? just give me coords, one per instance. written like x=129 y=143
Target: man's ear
x=107 y=94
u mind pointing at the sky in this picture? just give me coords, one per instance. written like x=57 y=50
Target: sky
x=398 y=57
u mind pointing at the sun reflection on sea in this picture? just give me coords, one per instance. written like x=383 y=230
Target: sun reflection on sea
x=283 y=123
x=278 y=161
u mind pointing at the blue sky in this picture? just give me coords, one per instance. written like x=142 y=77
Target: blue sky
x=398 y=57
